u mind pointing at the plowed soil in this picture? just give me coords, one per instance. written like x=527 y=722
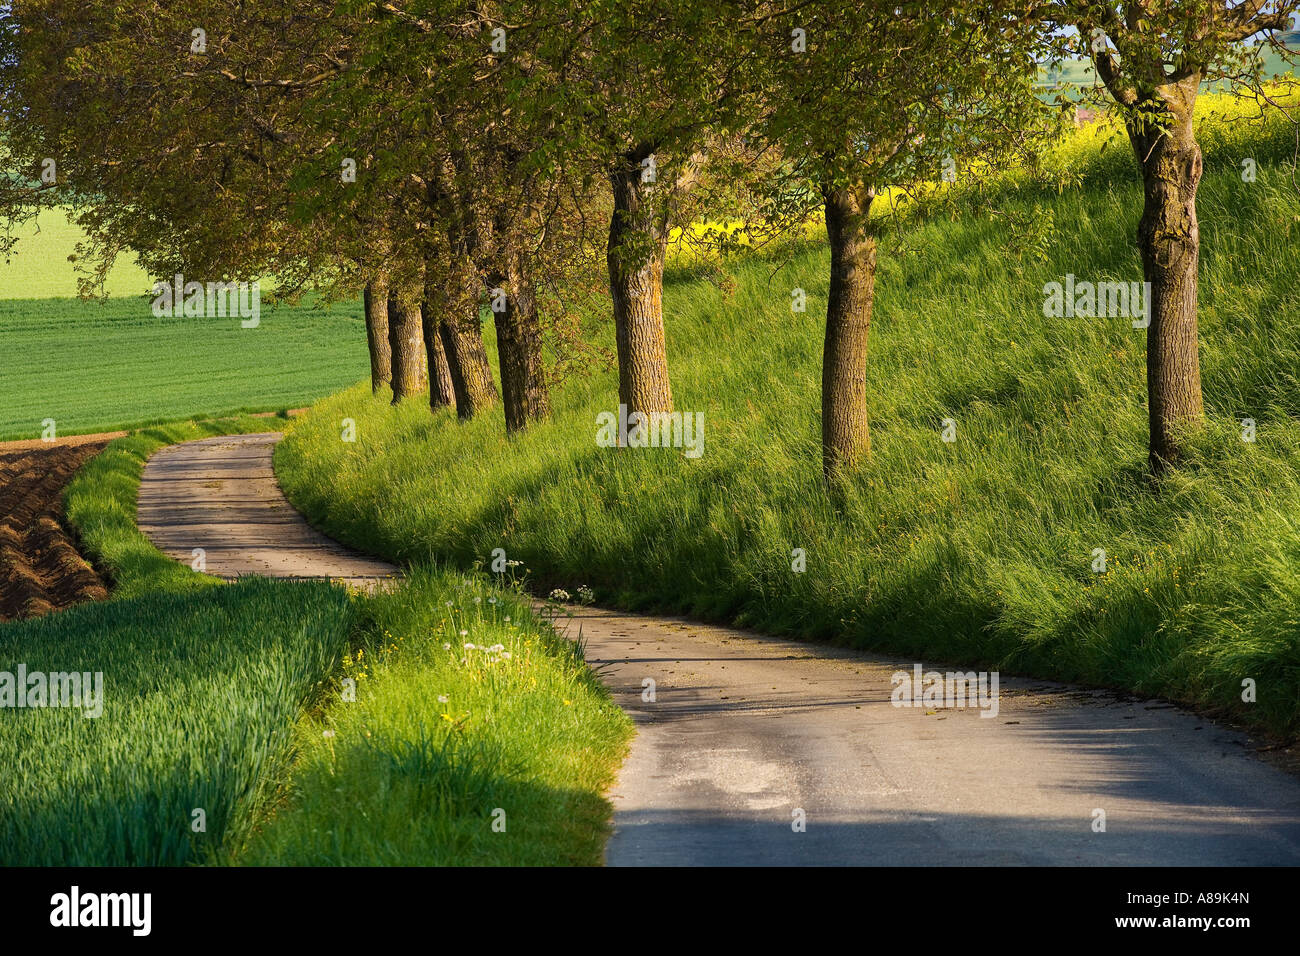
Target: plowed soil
x=40 y=568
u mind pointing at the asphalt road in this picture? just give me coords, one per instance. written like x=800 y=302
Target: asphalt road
x=220 y=495
x=747 y=735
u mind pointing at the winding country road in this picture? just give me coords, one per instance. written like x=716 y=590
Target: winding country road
x=753 y=750
x=220 y=495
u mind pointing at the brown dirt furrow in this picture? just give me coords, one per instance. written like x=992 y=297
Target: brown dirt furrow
x=40 y=568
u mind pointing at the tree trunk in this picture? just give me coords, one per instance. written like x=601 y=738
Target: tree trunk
x=381 y=351
x=442 y=393
x=519 y=347
x=1170 y=242
x=405 y=336
x=846 y=437
x=638 y=240
x=467 y=362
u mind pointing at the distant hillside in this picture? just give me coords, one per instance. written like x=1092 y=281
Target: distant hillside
x=1072 y=77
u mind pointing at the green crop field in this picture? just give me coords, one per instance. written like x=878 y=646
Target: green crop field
x=40 y=267
x=198 y=696
x=95 y=366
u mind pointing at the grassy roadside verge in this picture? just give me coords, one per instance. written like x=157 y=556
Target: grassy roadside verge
x=477 y=736
x=235 y=686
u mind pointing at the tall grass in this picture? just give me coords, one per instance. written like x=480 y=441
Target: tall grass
x=200 y=695
x=493 y=754
x=978 y=551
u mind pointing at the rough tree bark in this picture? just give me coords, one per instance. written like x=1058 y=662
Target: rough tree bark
x=381 y=351
x=638 y=240
x=846 y=438
x=519 y=343
x=1170 y=241
x=454 y=297
x=406 y=338
x=442 y=393
x=467 y=360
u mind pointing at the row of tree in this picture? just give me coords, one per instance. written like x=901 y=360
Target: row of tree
x=440 y=155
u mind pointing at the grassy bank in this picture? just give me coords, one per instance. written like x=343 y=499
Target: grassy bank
x=492 y=754
x=979 y=550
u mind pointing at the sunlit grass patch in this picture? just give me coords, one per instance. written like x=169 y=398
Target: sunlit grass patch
x=476 y=736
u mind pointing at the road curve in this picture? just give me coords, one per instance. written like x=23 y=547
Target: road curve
x=220 y=495
x=745 y=730
x=755 y=751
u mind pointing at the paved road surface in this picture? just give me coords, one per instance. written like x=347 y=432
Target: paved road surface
x=220 y=494
x=745 y=730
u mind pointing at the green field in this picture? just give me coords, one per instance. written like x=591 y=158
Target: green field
x=97 y=366
x=41 y=266
x=979 y=551
x=199 y=696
